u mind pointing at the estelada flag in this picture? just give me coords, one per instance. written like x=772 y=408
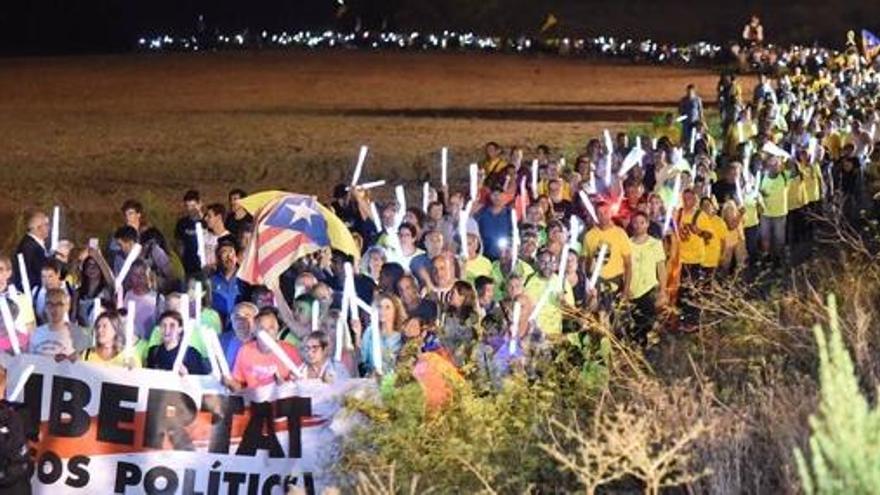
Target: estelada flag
x=549 y=22
x=288 y=226
x=870 y=45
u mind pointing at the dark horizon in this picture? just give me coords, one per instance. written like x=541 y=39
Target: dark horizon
x=43 y=27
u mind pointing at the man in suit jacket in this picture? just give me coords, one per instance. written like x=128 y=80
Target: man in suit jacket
x=33 y=247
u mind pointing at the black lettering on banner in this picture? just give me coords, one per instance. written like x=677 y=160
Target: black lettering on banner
x=169 y=412
x=234 y=480
x=127 y=474
x=79 y=476
x=253 y=483
x=222 y=409
x=259 y=434
x=214 y=479
x=111 y=413
x=151 y=481
x=308 y=483
x=69 y=397
x=56 y=468
x=189 y=483
x=33 y=399
x=271 y=482
x=294 y=409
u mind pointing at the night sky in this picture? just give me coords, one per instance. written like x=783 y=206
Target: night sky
x=108 y=26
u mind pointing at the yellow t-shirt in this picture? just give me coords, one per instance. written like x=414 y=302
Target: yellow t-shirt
x=549 y=319
x=479 y=266
x=796 y=193
x=712 y=252
x=692 y=247
x=619 y=248
x=750 y=217
x=494 y=166
x=775 y=193
x=812 y=180
x=92 y=356
x=645 y=257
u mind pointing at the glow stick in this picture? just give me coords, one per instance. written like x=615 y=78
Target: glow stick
x=377 y=220
x=56 y=234
x=210 y=337
x=739 y=132
x=534 y=178
x=597 y=268
x=400 y=196
x=631 y=160
x=771 y=148
x=279 y=353
x=514 y=327
x=681 y=118
x=198 y=296
x=368 y=185
x=129 y=330
x=462 y=228
x=123 y=272
x=426 y=196
x=186 y=333
x=639 y=147
x=212 y=357
x=563 y=262
x=812 y=149
x=589 y=206
x=96 y=310
x=609 y=145
x=200 y=243
x=316 y=309
x=522 y=188
x=376 y=341
x=514 y=248
x=474 y=171
x=360 y=303
x=693 y=142
x=654 y=143
x=540 y=304
x=676 y=187
x=362 y=156
x=19 y=385
x=574 y=230
x=25 y=279
x=348 y=288
x=444 y=164
x=9 y=323
x=739 y=191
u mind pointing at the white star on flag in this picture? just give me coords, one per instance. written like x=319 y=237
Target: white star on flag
x=300 y=211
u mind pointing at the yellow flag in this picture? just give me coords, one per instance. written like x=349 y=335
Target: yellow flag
x=549 y=23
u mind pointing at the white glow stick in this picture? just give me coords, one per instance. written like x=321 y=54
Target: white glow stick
x=368 y=185
x=426 y=196
x=444 y=164
x=362 y=157
x=9 y=323
x=609 y=145
x=25 y=279
x=279 y=353
x=522 y=188
x=376 y=341
x=198 y=296
x=812 y=149
x=589 y=206
x=462 y=228
x=739 y=132
x=377 y=220
x=19 y=385
x=772 y=149
x=608 y=170
x=514 y=247
x=129 y=331
x=316 y=311
x=631 y=160
x=514 y=327
x=474 y=171
x=400 y=195
x=563 y=263
x=212 y=357
x=214 y=347
x=693 y=142
x=96 y=310
x=56 y=232
x=200 y=243
x=654 y=143
x=535 y=177
x=600 y=262
x=739 y=191
x=540 y=304
x=348 y=288
x=186 y=333
x=676 y=187
x=681 y=118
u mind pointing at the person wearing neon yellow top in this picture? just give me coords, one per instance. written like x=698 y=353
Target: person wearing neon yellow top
x=616 y=273
x=797 y=199
x=715 y=244
x=549 y=318
x=694 y=232
x=774 y=192
x=476 y=264
x=501 y=272
x=110 y=344
x=649 y=268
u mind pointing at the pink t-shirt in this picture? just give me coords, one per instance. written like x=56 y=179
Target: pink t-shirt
x=6 y=343
x=254 y=368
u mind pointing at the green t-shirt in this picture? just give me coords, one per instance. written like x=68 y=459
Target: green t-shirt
x=210 y=321
x=775 y=192
x=645 y=257
x=522 y=269
x=549 y=320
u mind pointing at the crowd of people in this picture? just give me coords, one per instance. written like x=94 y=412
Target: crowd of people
x=490 y=277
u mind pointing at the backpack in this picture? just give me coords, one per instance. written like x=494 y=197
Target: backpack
x=14 y=454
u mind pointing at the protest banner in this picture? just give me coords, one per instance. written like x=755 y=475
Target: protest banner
x=113 y=430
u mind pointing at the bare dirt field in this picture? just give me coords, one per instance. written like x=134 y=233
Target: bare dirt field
x=88 y=132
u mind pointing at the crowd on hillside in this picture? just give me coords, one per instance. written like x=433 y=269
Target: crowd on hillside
x=483 y=281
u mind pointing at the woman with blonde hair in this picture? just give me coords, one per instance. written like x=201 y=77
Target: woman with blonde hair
x=110 y=343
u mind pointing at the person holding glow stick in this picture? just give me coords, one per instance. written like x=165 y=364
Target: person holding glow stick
x=616 y=273
x=32 y=249
x=256 y=365
x=545 y=280
x=187 y=243
x=320 y=365
x=391 y=319
x=648 y=289
x=163 y=356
